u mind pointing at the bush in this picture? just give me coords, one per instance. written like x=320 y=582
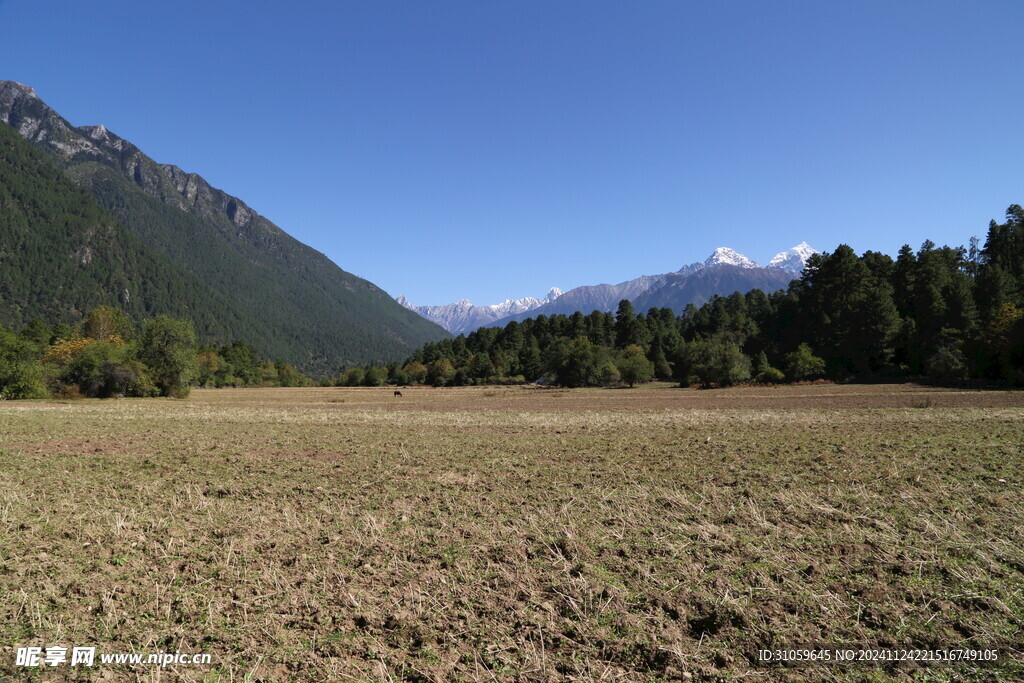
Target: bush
x=440 y=372
x=120 y=379
x=771 y=375
x=802 y=364
x=353 y=378
x=576 y=363
x=68 y=391
x=20 y=374
x=167 y=347
x=99 y=369
x=83 y=365
x=21 y=379
x=375 y=377
x=417 y=372
x=608 y=373
x=634 y=366
x=947 y=363
x=716 y=361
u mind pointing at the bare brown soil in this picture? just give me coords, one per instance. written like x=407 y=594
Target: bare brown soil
x=508 y=533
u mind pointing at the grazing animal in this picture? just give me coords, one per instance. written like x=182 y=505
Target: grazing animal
x=398 y=393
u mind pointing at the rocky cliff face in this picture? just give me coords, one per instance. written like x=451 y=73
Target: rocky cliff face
x=23 y=110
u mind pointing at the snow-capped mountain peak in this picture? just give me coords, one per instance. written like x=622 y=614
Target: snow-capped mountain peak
x=722 y=256
x=553 y=294
x=793 y=260
x=513 y=306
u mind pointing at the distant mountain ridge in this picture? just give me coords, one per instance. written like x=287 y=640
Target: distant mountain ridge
x=678 y=290
x=286 y=298
x=463 y=316
x=723 y=272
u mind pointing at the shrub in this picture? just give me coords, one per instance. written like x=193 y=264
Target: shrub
x=167 y=347
x=21 y=379
x=947 y=363
x=353 y=378
x=68 y=391
x=440 y=372
x=375 y=377
x=608 y=373
x=771 y=375
x=120 y=379
x=417 y=372
x=399 y=376
x=716 y=361
x=802 y=364
x=20 y=375
x=81 y=362
x=634 y=366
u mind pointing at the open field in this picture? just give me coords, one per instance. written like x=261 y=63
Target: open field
x=514 y=533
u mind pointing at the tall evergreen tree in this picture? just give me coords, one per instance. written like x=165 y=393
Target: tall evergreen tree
x=1004 y=248
x=627 y=328
x=853 y=314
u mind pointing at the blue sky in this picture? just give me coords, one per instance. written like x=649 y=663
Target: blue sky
x=493 y=149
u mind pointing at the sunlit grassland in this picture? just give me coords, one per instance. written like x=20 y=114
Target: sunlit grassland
x=513 y=533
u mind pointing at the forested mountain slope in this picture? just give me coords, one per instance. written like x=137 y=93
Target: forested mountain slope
x=292 y=301
x=62 y=254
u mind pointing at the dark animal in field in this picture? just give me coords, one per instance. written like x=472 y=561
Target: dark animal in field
x=398 y=393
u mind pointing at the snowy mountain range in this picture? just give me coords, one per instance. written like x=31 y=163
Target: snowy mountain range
x=463 y=316
x=723 y=272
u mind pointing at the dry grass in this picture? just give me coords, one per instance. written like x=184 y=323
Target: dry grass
x=512 y=533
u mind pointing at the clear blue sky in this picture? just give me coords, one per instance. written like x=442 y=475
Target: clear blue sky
x=493 y=149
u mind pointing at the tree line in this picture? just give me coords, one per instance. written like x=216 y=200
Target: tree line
x=952 y=314
x=948 y=313
x=108 y=355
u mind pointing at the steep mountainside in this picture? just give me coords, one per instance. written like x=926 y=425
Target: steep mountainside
x=62 y=254
x=305 y=309
x=463 y=316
